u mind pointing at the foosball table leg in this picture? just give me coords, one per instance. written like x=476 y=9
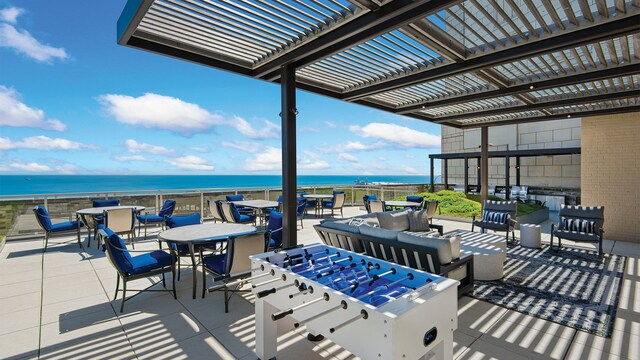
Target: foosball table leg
x=266 y=330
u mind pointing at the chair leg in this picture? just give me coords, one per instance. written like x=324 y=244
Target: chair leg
x=46 y=240
x=115 y=296
x=472 y=226
x=226 y=299
x=178 y=268
x=164 y=283
x=145 y=229
x=173 y=281
x=341 y=214
x=79 y=244
x=204 y=281
x=124 y=294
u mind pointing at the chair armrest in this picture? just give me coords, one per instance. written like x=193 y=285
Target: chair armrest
x=103 y=235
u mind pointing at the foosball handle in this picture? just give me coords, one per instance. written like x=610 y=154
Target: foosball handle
x=264 y=293
x=281 y=314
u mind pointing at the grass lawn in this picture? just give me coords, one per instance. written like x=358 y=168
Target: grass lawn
x=453 y=203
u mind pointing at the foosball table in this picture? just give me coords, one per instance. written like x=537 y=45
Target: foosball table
x=370 y=307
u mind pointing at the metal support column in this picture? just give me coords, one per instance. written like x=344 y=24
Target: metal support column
x=446 y=173
x=507 y=175
x=518 y=171
x=484 y=163
x=432 y=176
x=478 y=166
x=466 y=175
x=288 y=114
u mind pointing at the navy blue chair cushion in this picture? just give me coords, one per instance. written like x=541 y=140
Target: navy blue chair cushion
x=373 y=197
x=150 y=218
x=150 y=261
x=103 y=203
x=216 y=263
x=167 y=208
x=328 y=204
x=235 y=197
x=66 y=226
x=417 y=199
x=302 y=204
x=246 y=218
x=122 y=259
x=275 y=227
x=183 y=220
x=42 y=215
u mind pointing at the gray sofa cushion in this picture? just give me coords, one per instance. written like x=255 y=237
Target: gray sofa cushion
x=342 y=225
x=418 y=220
x=394 y=220
x=371 y=219
x=379 y=233
x=445 y=246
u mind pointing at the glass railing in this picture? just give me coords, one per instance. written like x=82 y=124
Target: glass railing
x=17 y=219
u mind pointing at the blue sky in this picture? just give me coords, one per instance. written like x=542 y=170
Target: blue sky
x=72 y=101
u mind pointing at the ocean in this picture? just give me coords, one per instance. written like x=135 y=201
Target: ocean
x=58 y=184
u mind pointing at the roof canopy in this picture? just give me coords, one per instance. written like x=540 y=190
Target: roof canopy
x=460 y=63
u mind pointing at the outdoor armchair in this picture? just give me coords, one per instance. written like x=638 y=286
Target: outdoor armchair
x=498 y=216
x=129 y=267
x=146 y=218
x=431 y=206
x=376 y=206
x=416 y=199
x=44 y=220
x=233 y=215
x=178 y=221
x=274 y=230
x=239 y=197
x=214 y=209
x=336 y=203
x=106 y=202
x=581 y=224
x=233 y=264
x=301 y=210
x=120 y=221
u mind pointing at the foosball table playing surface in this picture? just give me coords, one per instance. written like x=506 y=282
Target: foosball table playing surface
x=373 y=308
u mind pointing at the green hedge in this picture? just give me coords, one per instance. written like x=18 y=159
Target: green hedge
x=457 y=204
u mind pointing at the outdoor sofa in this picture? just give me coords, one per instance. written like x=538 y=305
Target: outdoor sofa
x=386 y=236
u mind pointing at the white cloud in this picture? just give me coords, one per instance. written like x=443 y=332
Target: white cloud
x=128 y=158
x=246 y=146
x=399 y=135
x=200 y=149
x=382 y=159
x=409 y=170
x=330 y=124
x=347 y=157
x=268 y=131
x=43 y=143
x=358 y=146
x=22 y=42
x=159 y=111
x=31 y=167
x=270 y=159
x=190 y=162
x=10 y=14
x=17 y=114
x=135 y=147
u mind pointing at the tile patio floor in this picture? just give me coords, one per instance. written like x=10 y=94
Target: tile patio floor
x=57 y=305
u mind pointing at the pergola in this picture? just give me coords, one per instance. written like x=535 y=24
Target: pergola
x=505 y=154
x=473 y=63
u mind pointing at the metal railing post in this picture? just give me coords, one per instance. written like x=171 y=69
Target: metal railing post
x=201 y=205
x=352 y=195
x=46 y=203
x=156 y=195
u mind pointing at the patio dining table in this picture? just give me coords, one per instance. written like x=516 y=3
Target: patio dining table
x=97 y=211
x=397 y=204
x=259 y=205
x=203 y=233
x=318 y=197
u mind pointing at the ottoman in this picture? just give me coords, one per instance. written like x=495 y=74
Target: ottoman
x=530 y=236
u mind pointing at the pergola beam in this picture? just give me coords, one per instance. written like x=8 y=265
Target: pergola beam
x=618 y=71
x=394 y=14
x=541 y=105
x=614 y=28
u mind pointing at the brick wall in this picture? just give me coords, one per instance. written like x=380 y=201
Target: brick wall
x=611 y=172
x=562 y=171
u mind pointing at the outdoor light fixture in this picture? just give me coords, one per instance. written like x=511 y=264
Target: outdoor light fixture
x=531 y=87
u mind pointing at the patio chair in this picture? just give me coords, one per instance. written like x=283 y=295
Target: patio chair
x=301 y=210
x=431 y=206
x=311 y=203
x=524 y=193
x=514 y=193
x=498 y=216
x=233 y=264
x=581 y=224
x=130 y=268
x=97 y=220
x=105 y=202
x=44 y=220
x=233 y=215
x=491 y=189
x=214 y=209
x=167 y=210
x=239 y=197
x=336 y=203
x=120 y=221
x=274 y=230
x=178 y=221
x=376 y=206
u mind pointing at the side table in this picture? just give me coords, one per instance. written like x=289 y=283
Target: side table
x=530 y=235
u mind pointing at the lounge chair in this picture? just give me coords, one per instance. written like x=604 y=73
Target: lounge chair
x=581 y=224
x=498 y=216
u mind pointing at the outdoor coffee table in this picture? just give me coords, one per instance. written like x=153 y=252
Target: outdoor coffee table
x=97 y=211
x=259 y=205
x=203 y=233
x=489 y=253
